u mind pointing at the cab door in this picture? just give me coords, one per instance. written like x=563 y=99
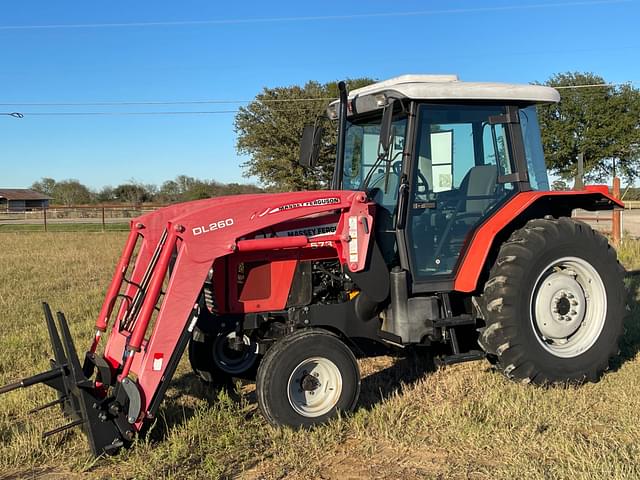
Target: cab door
x=462 y=168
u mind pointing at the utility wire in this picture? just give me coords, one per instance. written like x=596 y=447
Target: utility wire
x=236 y=21
x=213 y=102
x=127 y=113
x=594 y=85
x=170 y=102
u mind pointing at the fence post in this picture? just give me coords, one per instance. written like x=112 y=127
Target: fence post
x=103 y=225
x=615 y=219
x=44 y=216
x=579 y=181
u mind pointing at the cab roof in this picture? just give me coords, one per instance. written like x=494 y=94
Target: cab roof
x=449 y=87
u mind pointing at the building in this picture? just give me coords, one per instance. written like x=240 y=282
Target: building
x=21 y=200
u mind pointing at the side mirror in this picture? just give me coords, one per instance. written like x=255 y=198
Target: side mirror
x=310 y=145
x=385 y=126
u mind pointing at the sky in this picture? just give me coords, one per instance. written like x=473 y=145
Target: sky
x=161 y=51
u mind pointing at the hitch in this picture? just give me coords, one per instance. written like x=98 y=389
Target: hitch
x=91 y=404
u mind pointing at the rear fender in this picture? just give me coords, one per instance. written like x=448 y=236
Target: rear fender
x=514 y=214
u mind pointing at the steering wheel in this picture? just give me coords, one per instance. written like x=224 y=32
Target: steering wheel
x=422 y=185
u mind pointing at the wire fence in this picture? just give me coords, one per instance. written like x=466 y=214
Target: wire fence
x=103 y=218
x=77 y=218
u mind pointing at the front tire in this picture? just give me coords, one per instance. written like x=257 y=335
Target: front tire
x=554 y=303
x=306 y=378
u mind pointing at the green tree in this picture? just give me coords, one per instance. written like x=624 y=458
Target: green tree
x=269 y=131
x=169 y=192
x=45 y=185
x=71 y=192
x=603 y=123
x=133 y=193
x=106 y=194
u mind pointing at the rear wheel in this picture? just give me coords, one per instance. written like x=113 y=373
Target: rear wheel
x=554 y=303
x=306 y=378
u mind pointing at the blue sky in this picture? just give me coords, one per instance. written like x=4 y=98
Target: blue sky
x=494 y=40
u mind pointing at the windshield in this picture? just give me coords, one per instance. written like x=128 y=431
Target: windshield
x=361 y=155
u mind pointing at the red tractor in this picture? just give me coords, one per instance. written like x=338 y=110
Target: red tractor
x=439 y=230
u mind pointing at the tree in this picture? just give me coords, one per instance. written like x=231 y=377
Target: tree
x=603 y=123
x=106 y=194
x=169 y=192
x=71 y=192
x=269 y=131
x=45 y=185
x=133 y=193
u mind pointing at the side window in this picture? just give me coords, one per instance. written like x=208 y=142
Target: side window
x=533 y=148
x=361 y=155
x=496 y=150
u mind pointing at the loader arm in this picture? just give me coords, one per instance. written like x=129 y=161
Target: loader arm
x=198 y=236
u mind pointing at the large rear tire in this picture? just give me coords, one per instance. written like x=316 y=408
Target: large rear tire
x=554 y=303
x=306 y=378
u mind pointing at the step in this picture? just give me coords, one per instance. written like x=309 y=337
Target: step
x=469 y=356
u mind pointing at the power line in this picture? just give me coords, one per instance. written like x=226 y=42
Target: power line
x=236 y=21
x=206 y=112
x=594 y=85
x=221 y=102
x=170 y=102
x=78 y=114
x=96 y=114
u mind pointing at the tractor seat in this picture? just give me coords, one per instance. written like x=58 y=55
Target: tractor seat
x=478 y=190
x=477 y=193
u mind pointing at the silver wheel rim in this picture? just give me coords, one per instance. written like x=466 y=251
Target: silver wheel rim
x=568 y=307
x=233 y=363
x=314 y=387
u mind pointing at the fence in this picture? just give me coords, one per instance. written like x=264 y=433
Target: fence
x=87 y=218
x=117 y=217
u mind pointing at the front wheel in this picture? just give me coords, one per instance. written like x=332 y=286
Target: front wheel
x=554 y=303
x=306 y=378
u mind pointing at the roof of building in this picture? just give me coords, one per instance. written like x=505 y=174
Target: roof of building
x=449 y=87
x=22 y=194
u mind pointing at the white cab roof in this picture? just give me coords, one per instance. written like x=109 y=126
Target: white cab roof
x=449 y=87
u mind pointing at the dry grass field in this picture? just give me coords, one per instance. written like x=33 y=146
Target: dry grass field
x=412 y=422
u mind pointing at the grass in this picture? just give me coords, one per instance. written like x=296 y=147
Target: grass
x=464 y=421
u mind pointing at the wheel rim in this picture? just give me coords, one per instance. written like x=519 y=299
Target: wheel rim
x=314 y=387
x=233 y=361
x=568 y=307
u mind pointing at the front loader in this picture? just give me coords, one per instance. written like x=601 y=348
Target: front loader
x=438 y=230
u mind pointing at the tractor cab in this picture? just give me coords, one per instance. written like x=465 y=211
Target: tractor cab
x=438 y=156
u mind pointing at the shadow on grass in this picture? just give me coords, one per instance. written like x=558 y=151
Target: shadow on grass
x=176 y=411
x=375 y=388
x=406 y=370
x=630 y=342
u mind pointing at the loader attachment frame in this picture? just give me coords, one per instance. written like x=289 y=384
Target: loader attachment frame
x=81 y=402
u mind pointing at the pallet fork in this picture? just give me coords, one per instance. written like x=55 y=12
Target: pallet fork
x=81 y=399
